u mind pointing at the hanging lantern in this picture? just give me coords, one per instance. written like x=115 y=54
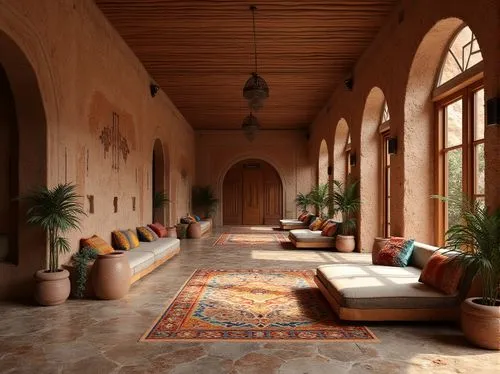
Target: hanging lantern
x=250 y=126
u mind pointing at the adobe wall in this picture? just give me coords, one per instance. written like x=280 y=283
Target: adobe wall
x=286 y=151
x=85 y=72
x=388 y=65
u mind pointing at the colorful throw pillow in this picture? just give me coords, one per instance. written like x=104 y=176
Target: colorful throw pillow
x=325 y=222
x=145 y=234
x=396 y=252
x=302 y=215
x=197 y=218
x=191 y=218
x=329 y=229
x=155 y=235
x=316 y=224
x=98 y=244
x=159 y=229
x=132 y=238
x=120 y=241
x=442 y=273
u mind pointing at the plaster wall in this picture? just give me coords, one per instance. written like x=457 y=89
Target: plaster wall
x=403 y=62
x=286 y=151
x=90 y=82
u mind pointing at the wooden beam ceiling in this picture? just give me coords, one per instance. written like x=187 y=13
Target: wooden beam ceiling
x=200 y=52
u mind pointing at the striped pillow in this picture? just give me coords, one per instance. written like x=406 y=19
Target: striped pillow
x=132 y=238
x=145 y=234
x=120 y=241
x=442 y=273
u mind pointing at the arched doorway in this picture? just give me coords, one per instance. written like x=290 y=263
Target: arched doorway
x=252 y=194
x=158 y=190
x=323 y=163
x=9 y=172
x=342 y=152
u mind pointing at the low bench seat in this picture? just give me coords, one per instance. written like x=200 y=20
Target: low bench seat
x=305 y=238
x=290 y=224
x=206 y=227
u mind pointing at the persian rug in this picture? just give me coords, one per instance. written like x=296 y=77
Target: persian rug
x=251 y=239
x=252 y=305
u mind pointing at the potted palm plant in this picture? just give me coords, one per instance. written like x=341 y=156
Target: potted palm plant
x=476 y=240
x=346 y=201
x=319 y=197
x=302 y=201
x=204 y=200
x=56 y=210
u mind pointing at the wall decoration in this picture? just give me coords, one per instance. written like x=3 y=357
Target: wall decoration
x=111 y=138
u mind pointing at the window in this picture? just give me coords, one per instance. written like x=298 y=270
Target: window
x=384 y=130
x=461 y=120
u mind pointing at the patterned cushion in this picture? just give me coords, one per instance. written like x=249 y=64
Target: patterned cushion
x=302 y=215
x=329 y=229
x=155 y=235
x=309 y=219
x=132 y=238
x=325 y=222
x=396 y=252
x=98 y=244
x=197 y=218
x=316 y=224
x=120 y=241
x=442 y=273
x=145 y=234
x=159 y=229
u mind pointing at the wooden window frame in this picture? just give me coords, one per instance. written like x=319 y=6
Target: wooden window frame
x=385 y=181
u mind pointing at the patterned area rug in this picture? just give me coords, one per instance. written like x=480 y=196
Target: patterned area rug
x=256 y=305
x=251 y=239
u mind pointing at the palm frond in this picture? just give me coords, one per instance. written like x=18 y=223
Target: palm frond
x=160 y=199
x=346 y=201
x=319 y=197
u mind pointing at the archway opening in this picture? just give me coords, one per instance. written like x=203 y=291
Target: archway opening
x=252 y=194
x=341 y=151
x=323 y=163
x=159 y=194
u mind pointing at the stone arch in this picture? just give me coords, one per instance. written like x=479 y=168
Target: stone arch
x=342 y=134
x=417 y=172
x=370 y=214
x=31 y=165
x=323 y=163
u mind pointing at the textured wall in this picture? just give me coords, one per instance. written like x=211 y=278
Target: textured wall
x=403 y=62
x=85 y=73
x=286 y=151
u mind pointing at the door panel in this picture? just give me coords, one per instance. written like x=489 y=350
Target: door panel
x=252 y=197
x=232 y=198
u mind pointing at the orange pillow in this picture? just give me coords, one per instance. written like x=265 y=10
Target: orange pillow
x=329 y=229
x=442 y=273
x=98 y=244
x=316 y=224
x=159 y=229
x=302 y=216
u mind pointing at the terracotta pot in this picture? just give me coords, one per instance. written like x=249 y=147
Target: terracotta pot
x=345 y=243
x=111 y=276
x=378 y=244
x=171 y=232
x=182 y=230
x=52 y=288
x=481 y=323
x=194 y=230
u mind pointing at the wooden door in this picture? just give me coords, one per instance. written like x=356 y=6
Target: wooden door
x=232 y=209
x=252 y=196
x=272 y=196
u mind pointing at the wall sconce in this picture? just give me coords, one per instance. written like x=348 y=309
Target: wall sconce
x=352 y=159
x=392 y=146
x=329 y=170
x=154 y=88
x=493 y=111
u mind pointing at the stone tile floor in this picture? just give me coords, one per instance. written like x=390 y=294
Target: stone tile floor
x=91 y=336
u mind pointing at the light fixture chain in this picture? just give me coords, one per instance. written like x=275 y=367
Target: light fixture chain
x=254 y=8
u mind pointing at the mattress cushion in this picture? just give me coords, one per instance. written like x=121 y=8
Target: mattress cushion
x=139 y=259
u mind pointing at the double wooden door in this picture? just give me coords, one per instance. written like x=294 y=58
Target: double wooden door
x=252 y=194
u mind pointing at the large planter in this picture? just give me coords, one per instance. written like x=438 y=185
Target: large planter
x=378 y=244
x=194 y=230
x=52 y=288
x=345 y=243
x=481 y=323
x=182 y=230
x=111 y=276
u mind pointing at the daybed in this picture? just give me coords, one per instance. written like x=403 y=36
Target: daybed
x=305 y=238
x=291 y=224
x=385 y=293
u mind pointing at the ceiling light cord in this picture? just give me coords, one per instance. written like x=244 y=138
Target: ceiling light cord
x=254 y=8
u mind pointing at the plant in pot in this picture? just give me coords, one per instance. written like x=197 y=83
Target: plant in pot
x=160 y=200
x=81 y=260
x=476 y=242
x=56 y=210
x=319 y=197
x=302 y=201
x=346 y=201
x=204 y=200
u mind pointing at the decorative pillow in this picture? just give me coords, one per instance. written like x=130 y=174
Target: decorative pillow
x=316 y=224
x=396 y=252
x=132 y=238
x=98 y=244
x=310 y=219
x=185 y=220
x=197 y=218
x=191 y=218
x=302 y=215
x=442 y=273
x=325 y=222
x=305 y=217
x=145 y=234
x=159 y=229
x=329 y=229
x=120 y=241
x=155 y=235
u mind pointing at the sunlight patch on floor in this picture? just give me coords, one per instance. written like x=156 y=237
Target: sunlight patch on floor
x=259 y=254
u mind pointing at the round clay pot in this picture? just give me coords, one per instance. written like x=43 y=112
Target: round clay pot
x=111 y=276
x=182 y=230
x=481 y=323
x=52 y=288
x=345 y=243
x=194 y=230
x=171 y=232
x=378 y=244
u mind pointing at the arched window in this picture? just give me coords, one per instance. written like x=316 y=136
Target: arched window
x=461 y=120
x=385 y=163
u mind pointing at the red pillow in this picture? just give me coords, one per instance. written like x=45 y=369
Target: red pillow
x=442 y=273
x=302 y=216
x=159 y=229
x=329 y=229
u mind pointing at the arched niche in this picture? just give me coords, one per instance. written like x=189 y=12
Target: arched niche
x=341 y=151
x=323 y=163
x=416 y=175
x=158 y=183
